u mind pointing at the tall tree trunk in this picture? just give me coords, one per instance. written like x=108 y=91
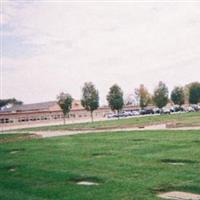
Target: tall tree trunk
x=64 y=119
x=118 y=114
x=91 y=112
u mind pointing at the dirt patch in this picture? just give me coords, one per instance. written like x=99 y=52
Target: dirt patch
x=177 y=195
x=177 y=161
x=14 y=151
x=87 y=183
x=171 y=125
x=9 y=168
x=12 y=170
x=113 y=127
x=186 y=125
x=180 y=125
x=141 y=127
x=92 y=129
x=85 y=180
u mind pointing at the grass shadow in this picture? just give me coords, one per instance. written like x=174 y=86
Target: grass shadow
x=79 y=178
x=185 y=161
x=101 y=154
x=138 y=140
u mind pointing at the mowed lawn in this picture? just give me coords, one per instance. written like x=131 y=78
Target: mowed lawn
x=127 y=165
x=182 y=119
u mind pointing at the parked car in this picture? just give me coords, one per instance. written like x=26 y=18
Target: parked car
x=190 y=109
x=126 y=114
x=111 y=115
x=172 y=110
x=196 y=107
x=156 y=110
x=135 y=113
x=178 y=109
x=146 y=111
x=165 y=111
x=120 y=114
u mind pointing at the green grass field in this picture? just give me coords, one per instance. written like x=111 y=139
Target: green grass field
x=182 y=119
x=127 y=165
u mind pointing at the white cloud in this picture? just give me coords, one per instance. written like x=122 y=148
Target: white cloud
x=74 y=43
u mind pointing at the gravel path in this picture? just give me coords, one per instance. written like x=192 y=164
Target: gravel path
x=46 y=134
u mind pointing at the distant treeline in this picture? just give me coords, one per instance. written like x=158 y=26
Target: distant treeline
x=160 y=97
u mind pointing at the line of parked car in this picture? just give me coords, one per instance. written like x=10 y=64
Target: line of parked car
x=148 y=111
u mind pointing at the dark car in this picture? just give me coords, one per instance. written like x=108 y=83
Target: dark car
x=178 y=109
x=146 y=111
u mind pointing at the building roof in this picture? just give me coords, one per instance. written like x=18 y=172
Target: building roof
x=44 y=106
x=76 y=105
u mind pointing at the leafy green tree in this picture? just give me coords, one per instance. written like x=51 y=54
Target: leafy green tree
x=178 y=96
x=65 y=103
x=115 y=98
x=194 y=93
x=161 y=93
x=90 y=98
x=143 y=96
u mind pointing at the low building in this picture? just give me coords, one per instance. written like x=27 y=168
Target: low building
x=50 y=112
x=46 y=111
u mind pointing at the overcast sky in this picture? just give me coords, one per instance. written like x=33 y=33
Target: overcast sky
x=54 y=46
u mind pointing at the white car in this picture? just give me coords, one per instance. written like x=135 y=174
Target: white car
x=135 y=113
x=165 y=110
x=110 y=115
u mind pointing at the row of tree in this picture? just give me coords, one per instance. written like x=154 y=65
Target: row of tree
x=179 y=95
x=90 y=97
